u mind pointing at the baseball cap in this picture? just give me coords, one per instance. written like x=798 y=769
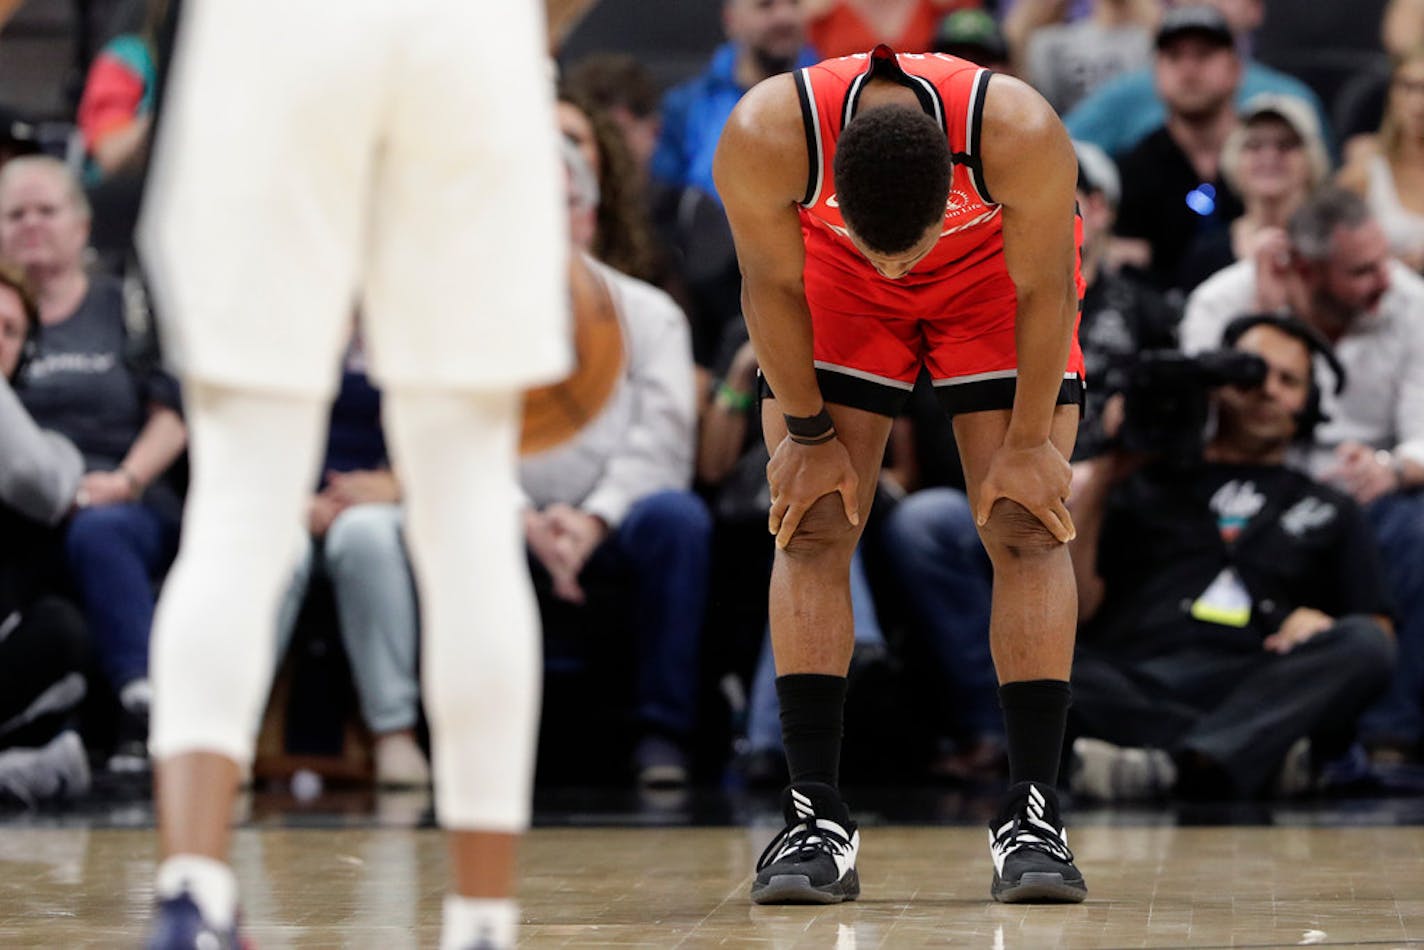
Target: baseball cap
x=965 y=33
x=1196 y=20
x=1294 y=112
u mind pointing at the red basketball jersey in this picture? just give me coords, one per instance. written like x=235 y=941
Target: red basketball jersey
x=955 y=312
x=951 y=91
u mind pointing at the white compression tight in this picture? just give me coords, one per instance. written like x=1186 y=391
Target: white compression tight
x=254 y=457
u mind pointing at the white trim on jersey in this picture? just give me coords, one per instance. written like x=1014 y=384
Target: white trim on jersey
x=803 y=76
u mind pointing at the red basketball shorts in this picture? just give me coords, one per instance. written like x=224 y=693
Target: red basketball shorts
x=873 y=335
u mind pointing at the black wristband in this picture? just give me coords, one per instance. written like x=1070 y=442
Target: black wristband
x=811 y=430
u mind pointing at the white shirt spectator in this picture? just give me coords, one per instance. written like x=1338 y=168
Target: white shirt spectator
x=1382 y=352
x=643 y=441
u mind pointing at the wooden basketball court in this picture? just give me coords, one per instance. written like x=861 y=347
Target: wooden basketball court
x=686 y=887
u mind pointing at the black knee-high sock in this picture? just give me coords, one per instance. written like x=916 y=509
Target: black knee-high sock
x=812 y=713
x=1035 y=715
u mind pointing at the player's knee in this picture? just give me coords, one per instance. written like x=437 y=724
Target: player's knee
x=823 y=531
x=1015 y=532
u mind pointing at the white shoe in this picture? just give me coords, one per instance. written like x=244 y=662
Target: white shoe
x=57 y=771
x=400 y=763
x=1114 y=773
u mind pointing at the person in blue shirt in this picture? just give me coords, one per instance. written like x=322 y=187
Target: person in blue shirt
x=765 y=37
x=1121 y=113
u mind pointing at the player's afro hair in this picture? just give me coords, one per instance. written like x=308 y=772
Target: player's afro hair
x=892 y=173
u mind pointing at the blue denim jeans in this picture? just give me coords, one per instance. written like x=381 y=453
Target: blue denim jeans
x=116 y=556
x=1398 y=521
x=364 y=558
x=664 y=547
x=947 y=581
x=764 y=708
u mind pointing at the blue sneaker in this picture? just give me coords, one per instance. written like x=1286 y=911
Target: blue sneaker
x=179 y=925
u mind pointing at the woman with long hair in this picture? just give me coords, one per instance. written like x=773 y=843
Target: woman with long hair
x=1387 y=169
x=623 y=238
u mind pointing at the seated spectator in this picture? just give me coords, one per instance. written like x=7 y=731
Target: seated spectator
x=843 y=27
x=1172 y=187
x=1067 y=61
x=88 y=385
x=622 y=235
x=1123 y=111
x=1387 y=169
x=1232 y=606
x=1334 y=270
x=613 y=504
x=1273 y=159
x=693 y=258
x=43 y=643
x=355 y=526
x=116 y=108
x=764 y=38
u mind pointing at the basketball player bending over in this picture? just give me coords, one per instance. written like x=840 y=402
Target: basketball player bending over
x=892 y=212
x=404 y=153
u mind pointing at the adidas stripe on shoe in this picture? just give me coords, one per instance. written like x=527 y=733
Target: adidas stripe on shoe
x=812 y=859
x=1029 y=845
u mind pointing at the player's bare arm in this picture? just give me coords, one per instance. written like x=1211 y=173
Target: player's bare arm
x=761 y=171
x=1031 y=171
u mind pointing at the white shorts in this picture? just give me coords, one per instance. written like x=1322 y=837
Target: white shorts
x=316 y=156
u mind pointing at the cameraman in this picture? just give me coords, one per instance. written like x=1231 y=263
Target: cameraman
x=1231 y=607
x=1332 y=268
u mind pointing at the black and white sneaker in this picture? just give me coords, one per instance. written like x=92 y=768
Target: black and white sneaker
x=1029 y=845
x=812 y=860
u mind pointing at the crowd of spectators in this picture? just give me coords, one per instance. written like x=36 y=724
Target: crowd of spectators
x=1250 y=555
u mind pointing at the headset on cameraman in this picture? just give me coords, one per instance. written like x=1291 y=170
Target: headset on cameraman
x=1312 y=414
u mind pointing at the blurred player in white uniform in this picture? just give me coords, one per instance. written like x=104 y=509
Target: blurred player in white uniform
x=315 y=155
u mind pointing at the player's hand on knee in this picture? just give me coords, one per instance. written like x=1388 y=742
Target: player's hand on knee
x=800 y=474
x=1039 y=478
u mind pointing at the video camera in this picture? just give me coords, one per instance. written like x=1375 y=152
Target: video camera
x=1166 y=401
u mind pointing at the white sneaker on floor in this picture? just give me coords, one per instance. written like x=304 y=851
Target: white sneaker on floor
x=400 y=763
x=56 y=771
x=1114 y=773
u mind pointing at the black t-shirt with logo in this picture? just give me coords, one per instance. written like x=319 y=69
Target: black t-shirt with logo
x=1170 y=534
x=93 y=382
